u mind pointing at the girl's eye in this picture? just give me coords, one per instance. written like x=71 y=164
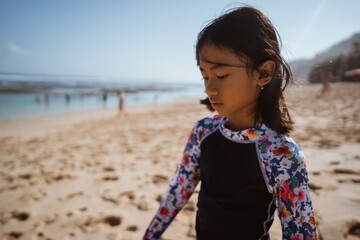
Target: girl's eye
x=222 y=77
x=205 y=78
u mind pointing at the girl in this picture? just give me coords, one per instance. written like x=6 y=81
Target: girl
x=247 y=163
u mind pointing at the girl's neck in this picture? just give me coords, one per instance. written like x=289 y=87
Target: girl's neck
x=240 y=126
x=239 y=123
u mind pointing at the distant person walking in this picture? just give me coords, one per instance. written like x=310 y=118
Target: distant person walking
x=67 y=98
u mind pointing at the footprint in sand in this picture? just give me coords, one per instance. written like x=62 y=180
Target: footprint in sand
x=158 y=179
x=112 y=220
x=26 y=176
x=354 y=229
x=51 y=218
x=83 y=209
x=190 y=207
x=132 y=228
x=110 y=178
x=33 y=196
x=21 y=216
x=15 y=185
x=159 y=198
x=191 y=231
x=314 y=187
x=15 y=235
x=75 y=194
x=110 y=199
x=89 y=224
x=345 y=171
x=129 y=149
x=350 y=180
x=129 y=194
x=329 y=143
x=72 y=234
x=9 y=178
x=123 y=198
x=143 y=206
x=59 y=177
x=108 y=169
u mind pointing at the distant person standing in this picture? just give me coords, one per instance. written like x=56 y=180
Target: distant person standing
x=121 y=102
x=67 y=98
x=327 y=79
x=104 y=98
x=46 y=98
x=37 y=99
x=156 y=96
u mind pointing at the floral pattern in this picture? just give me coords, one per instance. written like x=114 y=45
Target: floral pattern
x=283 y=165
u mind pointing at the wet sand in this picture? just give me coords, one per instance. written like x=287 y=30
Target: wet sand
x=96 y=175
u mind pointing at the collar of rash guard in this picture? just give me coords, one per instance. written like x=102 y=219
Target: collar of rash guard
x=250 y=134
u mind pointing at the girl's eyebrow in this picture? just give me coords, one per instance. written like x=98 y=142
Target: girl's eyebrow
x=220 y=65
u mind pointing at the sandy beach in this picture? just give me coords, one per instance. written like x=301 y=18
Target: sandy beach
x=96 y=175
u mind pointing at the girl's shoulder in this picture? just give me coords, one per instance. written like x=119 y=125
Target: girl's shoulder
x=281 y=150
x=207 y=125
x=280 y=141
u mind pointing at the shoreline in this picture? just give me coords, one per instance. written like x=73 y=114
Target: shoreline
x=78 y=98
x=33 y=126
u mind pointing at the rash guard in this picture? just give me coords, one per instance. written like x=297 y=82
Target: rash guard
x=244 y=176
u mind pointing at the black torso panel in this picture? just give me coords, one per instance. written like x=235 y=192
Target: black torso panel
x=234 y=202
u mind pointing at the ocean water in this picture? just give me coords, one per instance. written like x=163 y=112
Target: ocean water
x=23 y=96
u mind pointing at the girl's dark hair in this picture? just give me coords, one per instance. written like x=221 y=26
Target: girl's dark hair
x=249 y=33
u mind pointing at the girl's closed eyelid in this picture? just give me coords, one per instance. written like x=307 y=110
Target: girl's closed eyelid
x=218 y=77
x=223 y=76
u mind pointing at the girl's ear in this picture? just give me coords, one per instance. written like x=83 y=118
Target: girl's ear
x=265 y=73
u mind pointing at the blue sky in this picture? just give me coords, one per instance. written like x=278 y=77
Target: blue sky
x=150 y=40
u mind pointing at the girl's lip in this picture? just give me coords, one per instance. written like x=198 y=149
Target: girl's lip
x=216 y=105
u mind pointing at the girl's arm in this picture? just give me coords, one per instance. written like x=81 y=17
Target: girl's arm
x=182 y=185
x=293 y=200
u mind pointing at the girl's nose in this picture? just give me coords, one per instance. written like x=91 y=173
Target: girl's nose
x=210 y=88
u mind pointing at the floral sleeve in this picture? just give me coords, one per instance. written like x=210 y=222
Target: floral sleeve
x=182 y=185
x=293 y=197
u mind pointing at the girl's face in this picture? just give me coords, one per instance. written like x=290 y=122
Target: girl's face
x=231 y=90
